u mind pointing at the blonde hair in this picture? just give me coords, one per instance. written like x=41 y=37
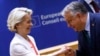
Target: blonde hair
x=15 y=16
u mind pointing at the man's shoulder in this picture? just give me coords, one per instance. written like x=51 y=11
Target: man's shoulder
x=97 y=15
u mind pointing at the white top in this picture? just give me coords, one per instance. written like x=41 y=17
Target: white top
x=21 y=47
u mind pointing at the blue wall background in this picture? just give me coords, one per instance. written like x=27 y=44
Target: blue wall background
x=50 y=28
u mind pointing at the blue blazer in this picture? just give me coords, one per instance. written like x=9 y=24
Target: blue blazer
x=94 y=49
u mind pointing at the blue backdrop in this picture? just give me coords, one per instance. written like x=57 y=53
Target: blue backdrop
x=50 y=28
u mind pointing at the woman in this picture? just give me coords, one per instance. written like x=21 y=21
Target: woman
x=20 y=22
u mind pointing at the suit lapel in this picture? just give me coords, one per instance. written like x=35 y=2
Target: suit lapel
x=92 y=32
x=87 y=6
x=92 y=26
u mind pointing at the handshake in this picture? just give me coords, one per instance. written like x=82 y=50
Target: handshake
x=67 y=51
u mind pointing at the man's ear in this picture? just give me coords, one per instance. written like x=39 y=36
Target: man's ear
x=78 y=14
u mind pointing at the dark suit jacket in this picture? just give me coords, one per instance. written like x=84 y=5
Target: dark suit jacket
x=87 y=6
x=94 y=49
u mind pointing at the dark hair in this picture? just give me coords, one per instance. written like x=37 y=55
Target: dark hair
x=75 y=6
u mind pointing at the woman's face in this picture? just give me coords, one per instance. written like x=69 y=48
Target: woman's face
x=24 y=27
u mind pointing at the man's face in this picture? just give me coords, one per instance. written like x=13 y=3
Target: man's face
x=74 y=22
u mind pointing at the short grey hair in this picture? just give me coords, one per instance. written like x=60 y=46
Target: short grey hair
x=74 y=7
x=16 y=15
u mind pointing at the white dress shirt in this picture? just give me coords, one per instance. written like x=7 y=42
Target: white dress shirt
x=87 y=26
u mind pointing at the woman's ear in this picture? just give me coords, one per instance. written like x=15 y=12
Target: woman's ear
x=17 y=25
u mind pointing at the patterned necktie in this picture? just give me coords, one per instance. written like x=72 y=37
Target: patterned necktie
x=95 y=6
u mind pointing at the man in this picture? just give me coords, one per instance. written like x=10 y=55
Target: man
x=88 y=27
x=91 y=5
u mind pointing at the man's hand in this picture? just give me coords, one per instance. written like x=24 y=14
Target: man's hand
x=69 y=51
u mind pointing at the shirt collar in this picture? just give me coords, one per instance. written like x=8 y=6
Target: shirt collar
x=87 y=26
x=88 y=1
